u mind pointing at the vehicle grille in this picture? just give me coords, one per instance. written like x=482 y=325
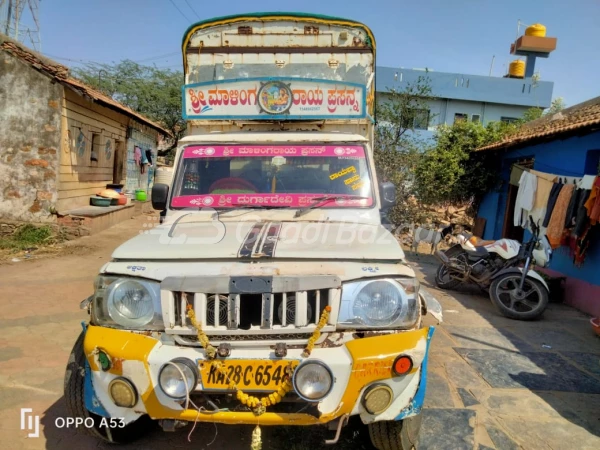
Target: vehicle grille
x=274 y=313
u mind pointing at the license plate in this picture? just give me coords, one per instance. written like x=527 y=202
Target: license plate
x=254 y=375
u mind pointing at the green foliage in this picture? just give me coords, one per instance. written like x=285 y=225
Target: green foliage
x=532 y=114
x=451 y=172
x=27 y=236
x=557 y=105
x=150 y=91
x=397 y=152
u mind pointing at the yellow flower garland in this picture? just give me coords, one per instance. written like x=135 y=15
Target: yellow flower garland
x=257 y=405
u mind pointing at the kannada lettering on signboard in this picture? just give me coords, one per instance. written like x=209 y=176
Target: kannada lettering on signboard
x=287 y=99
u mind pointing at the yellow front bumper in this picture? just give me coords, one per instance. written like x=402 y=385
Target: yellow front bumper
x=357 y=364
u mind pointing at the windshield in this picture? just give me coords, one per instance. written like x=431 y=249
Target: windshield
x=293 y=176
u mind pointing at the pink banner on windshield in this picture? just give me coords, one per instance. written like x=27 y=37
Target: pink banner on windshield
x=219 y=151
x=289 y=200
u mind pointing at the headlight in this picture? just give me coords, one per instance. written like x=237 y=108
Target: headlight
x=178 y=377
x=379 y=304
x=127 y=303
x=312 y=380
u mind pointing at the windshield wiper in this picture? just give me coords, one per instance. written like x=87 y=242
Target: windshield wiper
x=318 y=202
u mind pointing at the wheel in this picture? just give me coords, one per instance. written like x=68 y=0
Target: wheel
x=395 y=435
x=443 y=279
x=442 y=276
x=74 y=397
x=526 y=305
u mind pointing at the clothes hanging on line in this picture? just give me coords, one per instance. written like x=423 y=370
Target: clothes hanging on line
x=582 y=244
x=544 y=186
x=587 y=182
x=525 y=198
x=593 y=203
x=515 y=174
x=542 y=193
x=556 y=224
x=137 y=155
x=581 y=217
x=572 y=208
x=149 y=156
x=554 y=192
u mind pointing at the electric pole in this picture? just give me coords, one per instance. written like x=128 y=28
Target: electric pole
x=19 y=20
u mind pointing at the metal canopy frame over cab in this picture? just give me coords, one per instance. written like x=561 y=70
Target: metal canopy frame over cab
x=324 y=66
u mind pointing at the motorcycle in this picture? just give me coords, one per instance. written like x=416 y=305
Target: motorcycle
x=504 y=267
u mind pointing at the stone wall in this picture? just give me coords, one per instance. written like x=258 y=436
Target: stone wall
x=30 y=112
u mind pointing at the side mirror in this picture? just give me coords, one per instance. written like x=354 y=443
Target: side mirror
x=387 y=192
x=160 y=195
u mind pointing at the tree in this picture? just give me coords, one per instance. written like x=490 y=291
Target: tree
x=397 y=150
x=153 y=92
x=452 y=172
x=532 y=114
x=557 y=105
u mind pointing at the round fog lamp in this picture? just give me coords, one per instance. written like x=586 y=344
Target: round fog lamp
x=178 y=377
x=378 y=398
x=122 y=393
x=312 y=381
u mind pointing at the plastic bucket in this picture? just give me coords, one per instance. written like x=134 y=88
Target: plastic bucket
x=140 y=195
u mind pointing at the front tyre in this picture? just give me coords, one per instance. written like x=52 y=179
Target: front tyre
x=442 y=275
x=527 y=304
x=395 y=435
x=74 y=397
x=443 y=280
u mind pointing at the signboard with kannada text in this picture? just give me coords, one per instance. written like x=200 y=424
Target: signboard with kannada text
x=274 y=99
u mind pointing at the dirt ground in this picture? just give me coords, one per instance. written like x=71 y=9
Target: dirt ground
x=493 y=382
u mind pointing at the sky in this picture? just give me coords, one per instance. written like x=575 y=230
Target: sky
x=443 y=35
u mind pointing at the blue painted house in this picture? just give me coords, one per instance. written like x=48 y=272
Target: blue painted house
x=566 y=144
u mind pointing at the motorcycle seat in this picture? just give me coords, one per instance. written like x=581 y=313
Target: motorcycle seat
x=480 y=252
x=480 y=242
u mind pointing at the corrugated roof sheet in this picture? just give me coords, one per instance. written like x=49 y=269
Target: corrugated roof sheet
x=61 y=74
x=582 y=117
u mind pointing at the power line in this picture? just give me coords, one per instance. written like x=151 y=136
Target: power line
x=193 y=10
x=80 y=61
x=150 y=58
x=180 y=11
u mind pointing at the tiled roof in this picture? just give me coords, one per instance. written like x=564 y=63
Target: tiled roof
x=582 y=117
x=61 y=74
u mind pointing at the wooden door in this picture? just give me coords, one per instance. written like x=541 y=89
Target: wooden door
x=118 y=162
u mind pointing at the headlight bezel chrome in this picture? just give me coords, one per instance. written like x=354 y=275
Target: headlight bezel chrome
x=405 y=316
x=182 y=363
x=303 y=366
x=104 y=312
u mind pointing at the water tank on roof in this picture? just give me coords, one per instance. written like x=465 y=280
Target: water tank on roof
x=537 y=29
x=516 y=69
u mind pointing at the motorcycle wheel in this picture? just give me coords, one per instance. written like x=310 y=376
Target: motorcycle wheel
x=443 y=279
x=442 y=275
x=528 y=305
